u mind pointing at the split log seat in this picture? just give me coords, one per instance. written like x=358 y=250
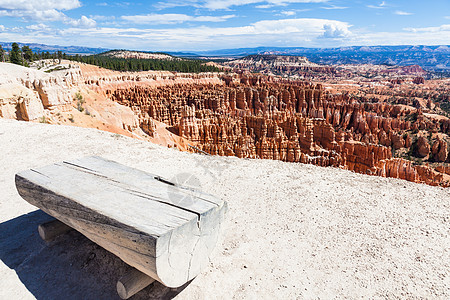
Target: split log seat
x=162 y=229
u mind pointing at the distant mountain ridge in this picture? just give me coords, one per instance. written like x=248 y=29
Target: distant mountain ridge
x=299 y=50
x=434 y=58
x=431 y=58
x=71 y=50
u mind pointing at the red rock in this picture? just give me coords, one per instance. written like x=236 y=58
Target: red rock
x=443 y=169
x=419 y=80
x=423 y=148
x=397 y=141
x=439 y=150
x=408 y=141
x=259 y=117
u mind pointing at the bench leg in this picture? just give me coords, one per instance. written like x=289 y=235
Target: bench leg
x=50 y=230
x=132 y=282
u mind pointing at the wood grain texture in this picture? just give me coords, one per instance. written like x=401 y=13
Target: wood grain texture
x=132 y=282
x=50 y=230
x=164 y=230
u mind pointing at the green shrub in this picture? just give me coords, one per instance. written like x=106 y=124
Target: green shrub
x=80 y=101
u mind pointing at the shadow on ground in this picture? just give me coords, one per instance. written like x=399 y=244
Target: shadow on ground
x=70 y=267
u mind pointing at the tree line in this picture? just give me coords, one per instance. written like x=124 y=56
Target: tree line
x=24 y=56
x=135 y=64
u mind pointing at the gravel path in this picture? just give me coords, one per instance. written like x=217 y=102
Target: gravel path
x=292 y=230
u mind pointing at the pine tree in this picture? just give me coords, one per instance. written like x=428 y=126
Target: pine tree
x=133 y=64
x=2 y=54
x=15 y=56
x=27 y=53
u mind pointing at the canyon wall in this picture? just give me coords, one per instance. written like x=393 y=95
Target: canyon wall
x=70 y=93
x=243 y=115
x=258 y=117
x=25 y=92
x=296 y=66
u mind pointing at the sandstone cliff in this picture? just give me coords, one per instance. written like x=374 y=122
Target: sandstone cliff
x=25 y=92
x=296 y=66
x=243 y=115
x=258 y=117
x=68 y=93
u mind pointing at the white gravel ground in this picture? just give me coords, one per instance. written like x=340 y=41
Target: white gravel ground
x=292 y=230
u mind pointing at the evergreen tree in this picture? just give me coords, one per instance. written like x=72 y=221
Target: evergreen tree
x=15 y=56
x=37 y=56
x=59 y=55
x=133 y=64
x=2 y=54
x=27 y=53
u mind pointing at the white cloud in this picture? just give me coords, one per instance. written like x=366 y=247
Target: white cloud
x=39 y=5
x=2 y=28
x=336 y=30
x=438 y=37
x=380 y=6
x=285 y=32
x=40 y=10
x=83 y=22
x=312 y=27
x=334 y=7
x=288 y=12
x=202 y=37
x=173 y=18
x=48 y=15
x=38 y=27
x=445 y=27
x=39 y=15
x=264 y=6
x=226 y=4
x=176 y=3
x=213 y=18
x=402 y=13
x=102 y=18
x=51 y=15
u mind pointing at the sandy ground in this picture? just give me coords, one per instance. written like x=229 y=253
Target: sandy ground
x=293 y=231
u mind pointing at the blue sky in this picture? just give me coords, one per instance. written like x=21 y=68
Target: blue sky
x=183 y=25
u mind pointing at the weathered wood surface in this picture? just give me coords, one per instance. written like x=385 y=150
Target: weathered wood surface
x=163 y=230
x=50 y=230
x=132 y=282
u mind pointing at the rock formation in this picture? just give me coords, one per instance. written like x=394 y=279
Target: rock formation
x=259 y=117
x=423 y=148
x=440 y=150
x=297 y=66
x=24 y=92
x=238 y=114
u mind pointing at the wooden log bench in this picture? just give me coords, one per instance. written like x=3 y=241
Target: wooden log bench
x=164 y=230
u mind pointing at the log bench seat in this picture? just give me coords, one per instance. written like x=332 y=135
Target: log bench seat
x=162 y=229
